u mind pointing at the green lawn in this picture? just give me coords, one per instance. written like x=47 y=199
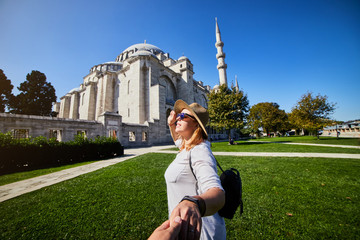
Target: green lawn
x=243 y=146
x=264 y=146
x=302 y=198
x=311 y=139
x=250 y=146
x=14 y=177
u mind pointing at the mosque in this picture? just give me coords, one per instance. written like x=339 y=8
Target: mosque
x=128 y=99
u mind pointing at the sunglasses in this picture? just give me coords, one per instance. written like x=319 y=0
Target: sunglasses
x=184 y=115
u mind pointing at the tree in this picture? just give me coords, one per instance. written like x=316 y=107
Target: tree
x=5 y=90
x=36 y=96
x=228 y=108
x=311 y=113
x=269 y=117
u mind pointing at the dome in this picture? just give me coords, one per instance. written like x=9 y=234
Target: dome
x=143 y=53
x=144 y=46
x=140 y=49
x=74 y=90
x=182 y=57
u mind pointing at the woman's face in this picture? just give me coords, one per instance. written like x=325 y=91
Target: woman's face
x=186 y=126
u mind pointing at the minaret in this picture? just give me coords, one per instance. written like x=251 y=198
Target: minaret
x=220 y=56
x=236 y=84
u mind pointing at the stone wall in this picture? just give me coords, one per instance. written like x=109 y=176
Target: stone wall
x=45 y=126
x=109 y=125
x=343 y=132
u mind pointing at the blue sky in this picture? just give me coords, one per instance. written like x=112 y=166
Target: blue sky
x=278 y=49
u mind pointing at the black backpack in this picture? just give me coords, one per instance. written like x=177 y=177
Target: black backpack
x=231 y=182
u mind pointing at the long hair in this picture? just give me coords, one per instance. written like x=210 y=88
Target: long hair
x=198 y=137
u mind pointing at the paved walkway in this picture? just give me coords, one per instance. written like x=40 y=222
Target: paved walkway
x=312 y=144
x=18 y=188
x=282 y=154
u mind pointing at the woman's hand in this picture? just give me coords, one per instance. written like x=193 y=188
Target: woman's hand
x=191 y=218
x=172 y=118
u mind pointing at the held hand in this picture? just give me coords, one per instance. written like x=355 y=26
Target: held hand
x=190 y=215
x=167 y=232
x=172 y=118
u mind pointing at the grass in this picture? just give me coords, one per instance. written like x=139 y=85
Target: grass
x=249 y=146
x=311 y=139
x=14 y=177
x=264 y=146
x=301 y=198
x=243 y=146
x=125 y=201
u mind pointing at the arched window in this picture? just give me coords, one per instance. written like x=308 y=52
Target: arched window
x=170 y=94
x=202 y=100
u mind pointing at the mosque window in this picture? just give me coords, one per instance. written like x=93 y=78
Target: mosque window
x=132 y=137
x=170 y=93
x=113 y=134
x=82 y=99
x=144 y=136
x=128 y=87
x=55 y=133
x=128 y=112
x=20 y=133
x=82 y=133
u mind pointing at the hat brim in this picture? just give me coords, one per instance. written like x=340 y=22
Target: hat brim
x=180 y=105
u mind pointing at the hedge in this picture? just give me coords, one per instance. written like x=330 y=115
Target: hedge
x=19 y=155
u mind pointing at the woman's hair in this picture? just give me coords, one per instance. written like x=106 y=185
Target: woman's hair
x=198 y=137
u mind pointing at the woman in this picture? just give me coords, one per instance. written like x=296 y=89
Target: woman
x=194 y=194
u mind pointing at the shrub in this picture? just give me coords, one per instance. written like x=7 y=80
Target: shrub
x=34 y=153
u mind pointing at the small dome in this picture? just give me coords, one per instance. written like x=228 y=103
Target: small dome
x=150 y=50
x=182 y=57
x=143 y=53
x=74 y=90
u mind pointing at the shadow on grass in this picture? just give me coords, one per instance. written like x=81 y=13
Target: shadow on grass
x=259 y=142
x=249 y=143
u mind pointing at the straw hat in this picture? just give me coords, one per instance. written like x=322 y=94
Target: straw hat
x=199 y=112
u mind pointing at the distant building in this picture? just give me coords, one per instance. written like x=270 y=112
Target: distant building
x=128 y=99
x=347 y=129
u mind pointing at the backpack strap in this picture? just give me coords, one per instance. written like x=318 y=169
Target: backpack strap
x=192 y=170
x=218 y=164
